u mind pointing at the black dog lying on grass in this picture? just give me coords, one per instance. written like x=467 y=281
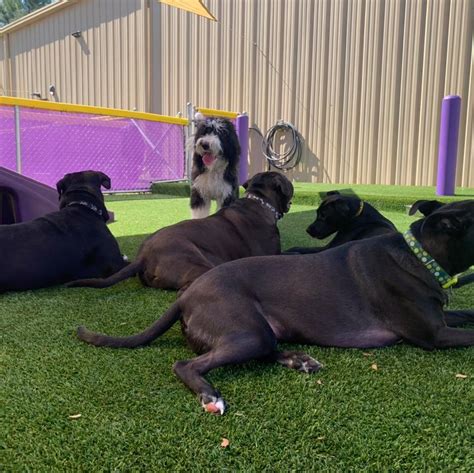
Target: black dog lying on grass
x=426 y=207
x=174 y=256
x=373 y=292
x=65 y=245
x=349 y=216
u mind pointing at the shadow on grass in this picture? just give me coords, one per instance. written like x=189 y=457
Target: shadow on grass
x=292 y=232
x=148 y=196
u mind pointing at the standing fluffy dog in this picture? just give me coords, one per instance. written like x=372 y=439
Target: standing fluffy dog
x=214 y=173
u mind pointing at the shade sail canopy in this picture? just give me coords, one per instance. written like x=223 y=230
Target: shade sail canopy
x=193 y=6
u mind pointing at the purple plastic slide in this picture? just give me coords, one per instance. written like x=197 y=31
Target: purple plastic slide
x=31 y=199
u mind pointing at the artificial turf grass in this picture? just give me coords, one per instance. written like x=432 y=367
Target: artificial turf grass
x=412 y=413
x=395 y=198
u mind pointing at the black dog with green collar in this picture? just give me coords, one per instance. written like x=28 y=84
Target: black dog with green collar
x=373 y=292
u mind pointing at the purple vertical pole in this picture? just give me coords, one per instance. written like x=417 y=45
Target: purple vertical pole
x=242 y=129
x=448 y=145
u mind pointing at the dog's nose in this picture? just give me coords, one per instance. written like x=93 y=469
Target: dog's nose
x=205 y=145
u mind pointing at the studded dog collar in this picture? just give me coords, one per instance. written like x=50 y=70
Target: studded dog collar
x=90 y=206
x=443 y=278
x=275 y=212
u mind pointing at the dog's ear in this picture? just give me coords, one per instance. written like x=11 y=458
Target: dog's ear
x=286 y=189
x=61 y=185
x=451 y=222
x=426 y=207
x=333 y=193
x=285 y=186
x=342 y=207
x=105 y=180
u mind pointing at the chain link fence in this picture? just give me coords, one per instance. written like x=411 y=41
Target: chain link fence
x=45 y=144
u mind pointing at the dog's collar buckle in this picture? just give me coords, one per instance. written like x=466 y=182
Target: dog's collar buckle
x=275 y=212
x=444 y=279
x=90 y=206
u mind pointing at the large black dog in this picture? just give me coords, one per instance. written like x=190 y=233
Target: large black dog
x=367 y=293
x=173 y=257
x=214 y=173
x=349 y=216
x=65 y=245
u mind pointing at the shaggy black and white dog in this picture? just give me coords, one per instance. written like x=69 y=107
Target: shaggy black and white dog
x=214 y=173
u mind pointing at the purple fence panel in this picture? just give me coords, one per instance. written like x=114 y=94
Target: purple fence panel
x=7 y=138
x=134 y=153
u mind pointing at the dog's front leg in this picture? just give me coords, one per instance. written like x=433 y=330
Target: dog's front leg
x=200 y=207
x=448 y=337
x=455 y=318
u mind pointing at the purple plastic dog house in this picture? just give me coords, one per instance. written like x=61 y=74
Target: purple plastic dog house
x=27 y=199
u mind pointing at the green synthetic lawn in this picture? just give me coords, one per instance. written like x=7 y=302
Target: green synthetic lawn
x=412 y=413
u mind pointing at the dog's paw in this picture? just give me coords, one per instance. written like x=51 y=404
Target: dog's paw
x=299 y=361
x=310 y=366
x=212 y=404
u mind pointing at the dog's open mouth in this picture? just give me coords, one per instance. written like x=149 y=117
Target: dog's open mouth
x=208 y=159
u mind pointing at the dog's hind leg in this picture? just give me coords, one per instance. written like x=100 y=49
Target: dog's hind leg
x=200 y=207
x=237 y=348
x=456 y=318
x=298 y=361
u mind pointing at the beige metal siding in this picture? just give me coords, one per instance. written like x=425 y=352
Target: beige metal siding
x=106 y=66
x=362 y=80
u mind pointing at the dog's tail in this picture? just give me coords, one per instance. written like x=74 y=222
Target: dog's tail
x=126 y=272
x=159 y=327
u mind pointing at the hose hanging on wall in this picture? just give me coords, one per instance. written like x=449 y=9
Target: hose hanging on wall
x=290 y=158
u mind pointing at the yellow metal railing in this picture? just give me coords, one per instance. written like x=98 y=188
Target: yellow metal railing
x=211 y=112
x=67 y=107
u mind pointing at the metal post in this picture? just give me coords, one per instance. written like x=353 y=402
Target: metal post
x=17 y=139
x=242 y=129
x=448 y=145
x=189 y=134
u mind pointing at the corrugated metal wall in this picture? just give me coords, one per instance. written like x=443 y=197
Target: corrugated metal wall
x=106 y=66
x=362 y=80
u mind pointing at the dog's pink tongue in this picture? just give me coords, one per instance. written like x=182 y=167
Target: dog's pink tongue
x=208 y=159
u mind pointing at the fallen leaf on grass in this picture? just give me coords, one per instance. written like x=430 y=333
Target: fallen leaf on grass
x=319 y=381
x=374 y=366
x=320 y=438
x=461 y=376
x=75 y=416
x=367 y=353
x=225 y=443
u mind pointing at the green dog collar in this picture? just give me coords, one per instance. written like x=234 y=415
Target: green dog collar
x=444 y=279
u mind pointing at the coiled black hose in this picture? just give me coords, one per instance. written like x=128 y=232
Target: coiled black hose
x=290 y=158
